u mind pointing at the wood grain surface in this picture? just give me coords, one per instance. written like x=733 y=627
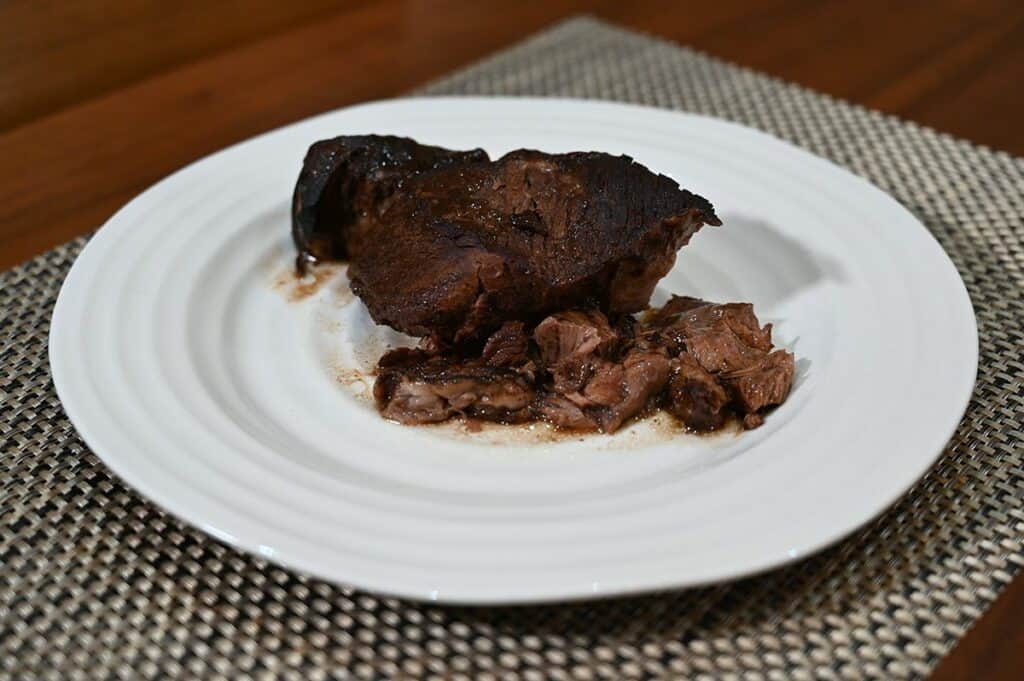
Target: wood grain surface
x=99 y=99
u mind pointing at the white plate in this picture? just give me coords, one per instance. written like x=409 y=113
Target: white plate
x=197 y=380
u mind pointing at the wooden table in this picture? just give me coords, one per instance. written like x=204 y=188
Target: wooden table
x=100 y=99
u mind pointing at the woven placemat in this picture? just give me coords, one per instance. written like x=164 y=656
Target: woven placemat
x=97 y=583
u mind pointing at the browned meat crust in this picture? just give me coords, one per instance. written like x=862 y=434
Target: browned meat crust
x=451 y=244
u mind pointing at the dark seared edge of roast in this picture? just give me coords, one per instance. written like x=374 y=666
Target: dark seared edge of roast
x=347 y=175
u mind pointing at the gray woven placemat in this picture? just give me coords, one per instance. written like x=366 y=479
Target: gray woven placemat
x=96 y=582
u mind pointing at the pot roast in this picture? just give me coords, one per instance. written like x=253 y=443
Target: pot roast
x=705 y=364
x=450 y=244
x=522 y=276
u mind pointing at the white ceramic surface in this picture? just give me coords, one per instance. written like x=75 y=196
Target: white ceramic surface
x=190 y=364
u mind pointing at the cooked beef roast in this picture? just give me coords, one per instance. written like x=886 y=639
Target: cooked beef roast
x=346 y=178
x=508 y=346
x=764 y=383
x=721 y=337
x=567 y=335
x=521 y=275
x=594 y=385
x=414 y=386
x=726 y=340
x=451 y=244
x=727 y=344
x=703 y=363
x=695 y=397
